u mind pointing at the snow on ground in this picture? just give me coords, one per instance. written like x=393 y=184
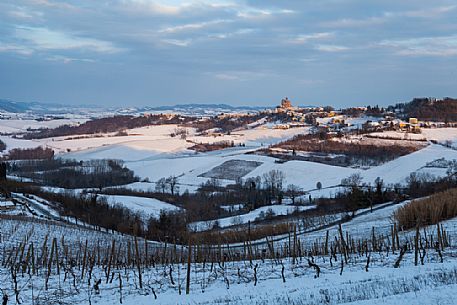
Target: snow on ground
x=361 y=226
x=190 y=166
x=398 y=170
x=147 y=142
x=433 y=283
x=233 y=282
x=189 y=169
x=354 y=122
x=12 y=143
x=256 y=214
x=130 y=150
x=232 y=207
x=17 y=125
x=399 y=135
x=147 y=206
x=440 y=134
x=437 y=134
x=303 y=173
x=40 y=206
x=153 y=154
x=264 y=136
x=141 y=143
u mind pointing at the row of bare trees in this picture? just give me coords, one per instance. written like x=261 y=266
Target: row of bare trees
x=108 y=124
x=30 y=153
x=73 y=174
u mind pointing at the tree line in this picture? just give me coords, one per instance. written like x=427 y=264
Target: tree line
x=429 y=109
x=331 y=144
x=29 y=153
x=108 y=124
x=73 y=174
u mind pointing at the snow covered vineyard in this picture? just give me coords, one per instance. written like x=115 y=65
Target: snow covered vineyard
x=44 y=262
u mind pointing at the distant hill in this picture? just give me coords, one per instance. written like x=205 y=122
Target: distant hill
x=430 y=109
x=42 y=109
x=14 y=107
x=193 y=109
x=39 y=108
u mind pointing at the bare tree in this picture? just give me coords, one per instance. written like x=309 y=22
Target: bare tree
x=353 y=181
x=293 y=191
x=181 y=132
x=172 y=183
x=273 y=182
x=161 y=185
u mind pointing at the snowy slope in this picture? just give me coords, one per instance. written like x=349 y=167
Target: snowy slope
x=398 y=170
x=149 y=207
x=248 y=217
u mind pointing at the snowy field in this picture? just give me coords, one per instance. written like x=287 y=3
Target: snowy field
x=153 y=154
x=191 y=168
x=429 y=134
x=257 y=214
x=149 y=207
x=18 y=125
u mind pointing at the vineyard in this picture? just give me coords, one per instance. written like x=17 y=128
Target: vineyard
x=54 y=263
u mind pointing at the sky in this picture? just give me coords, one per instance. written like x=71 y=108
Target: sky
x=154 y=52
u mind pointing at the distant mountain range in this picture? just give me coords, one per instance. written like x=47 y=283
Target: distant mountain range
x=194 y=109
x=40 y=109
x=15 y=107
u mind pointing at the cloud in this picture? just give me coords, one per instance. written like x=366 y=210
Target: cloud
x=13 y=48
x=442 y=46
x=67 y=60
x=147 y=6
x=354 y=23
x=226 y=35
x=331 y=48
x=20 y=12
x=192 y=26
x=253 y=49
x=173 y=8
x=248 y=12
x=177 y=42
x=302 y=39
x=54 y=4
x=240 y=75
x=39 y=38
x=424 y=13
x=432 y=12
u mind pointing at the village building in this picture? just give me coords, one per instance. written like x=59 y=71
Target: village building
x=285 y=106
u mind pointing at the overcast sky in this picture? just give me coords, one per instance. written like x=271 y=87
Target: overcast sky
x=148 y=52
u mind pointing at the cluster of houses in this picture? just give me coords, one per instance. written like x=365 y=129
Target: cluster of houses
x=335 y=121
x=326 y=119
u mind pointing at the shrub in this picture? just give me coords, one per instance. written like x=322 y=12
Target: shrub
x=30 y=153
x=427 y=211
